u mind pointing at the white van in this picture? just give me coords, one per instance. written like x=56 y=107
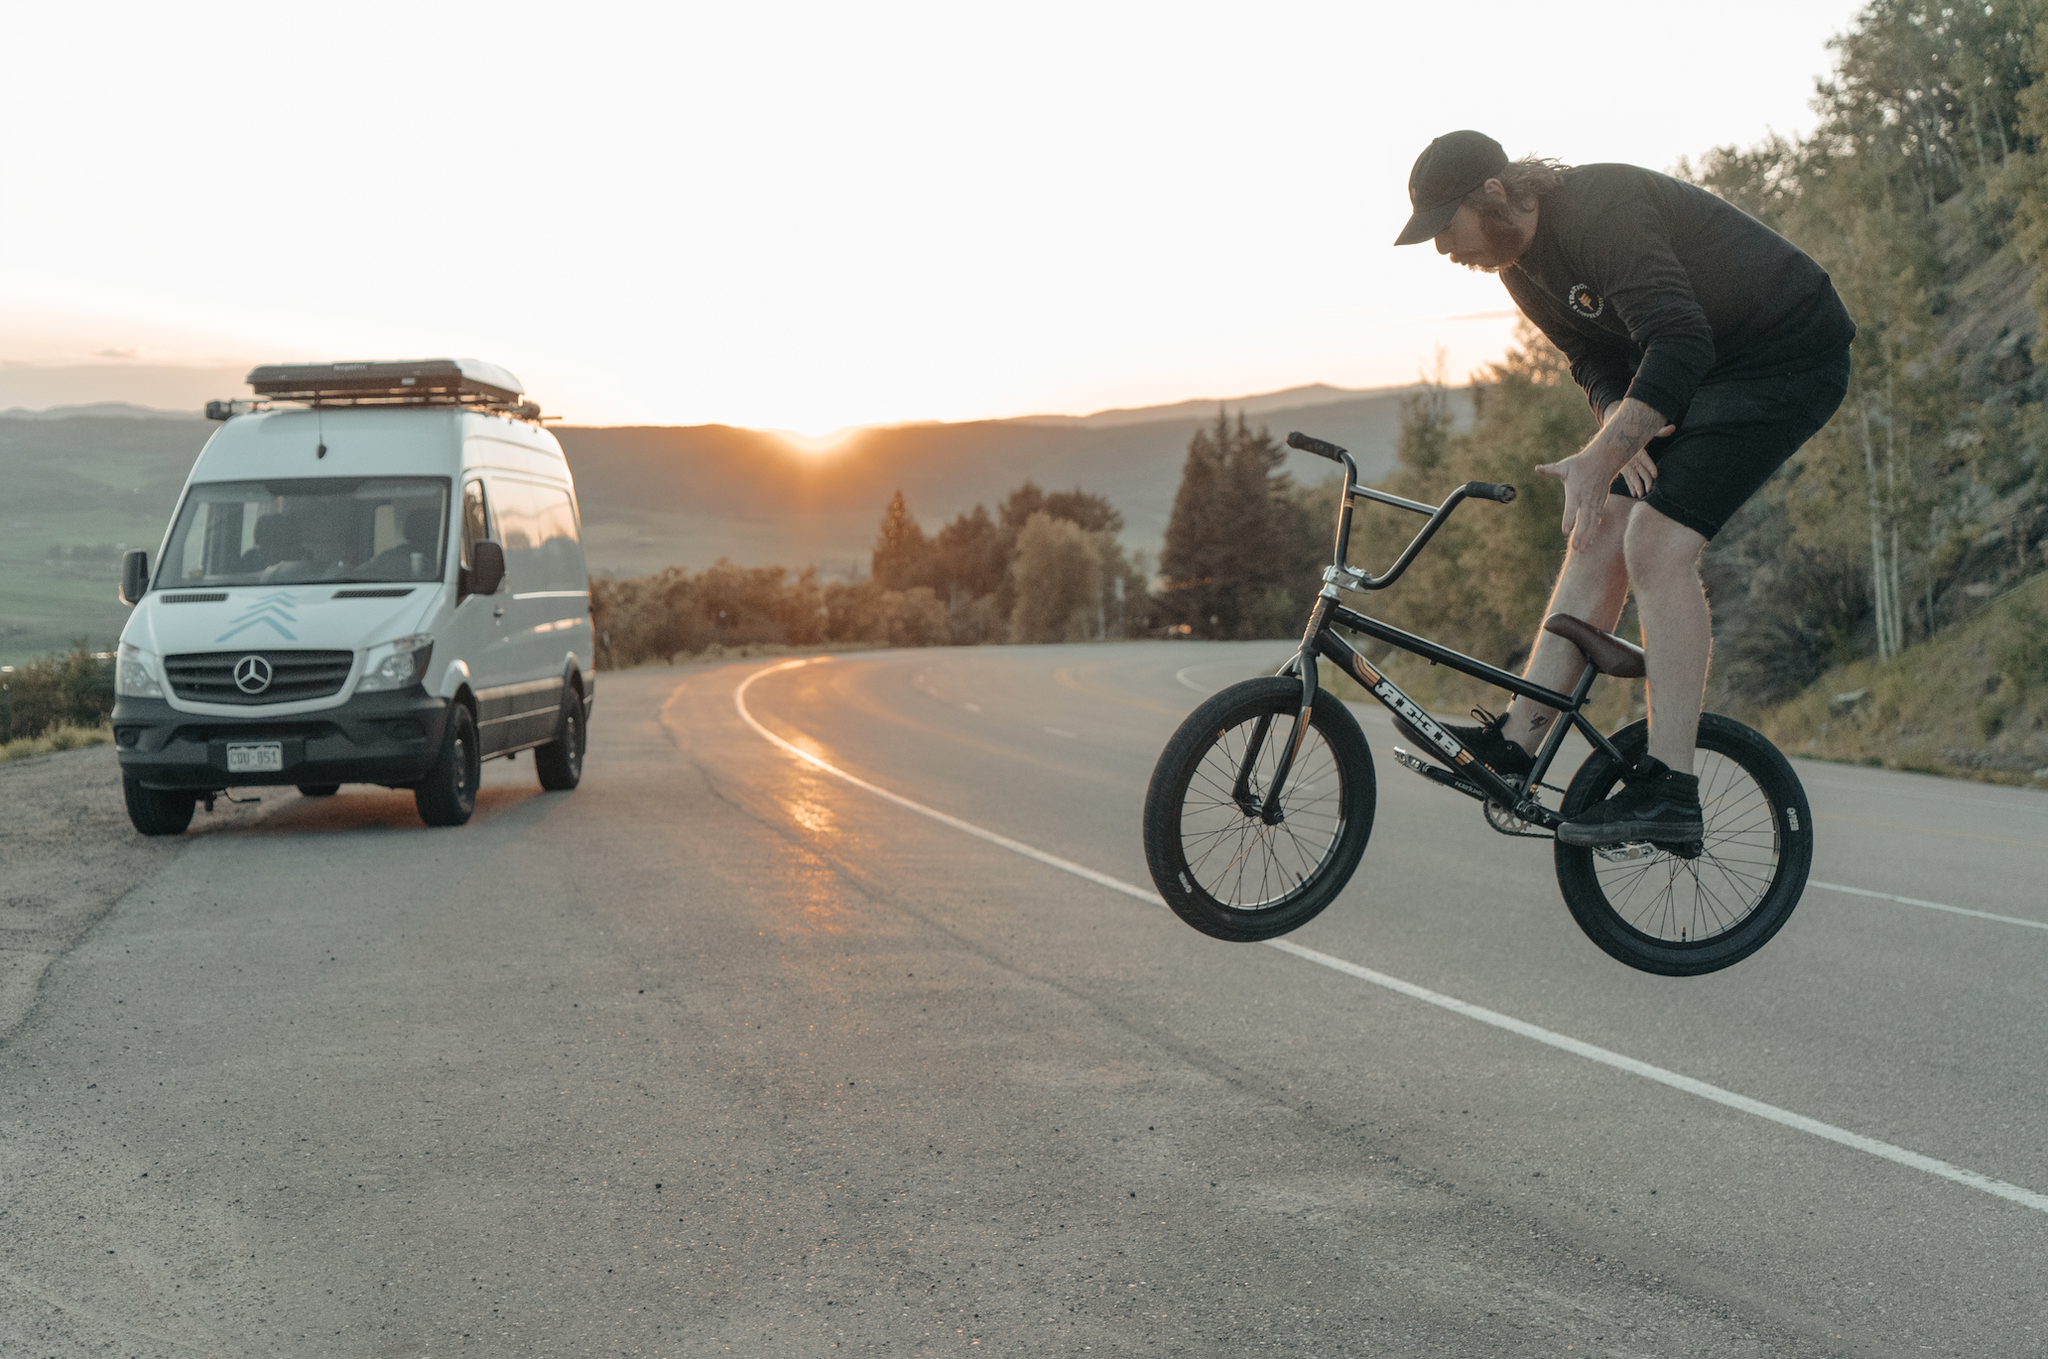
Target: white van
x=375 y=575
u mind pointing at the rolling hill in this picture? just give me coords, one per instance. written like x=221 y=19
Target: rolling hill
x=80 y=485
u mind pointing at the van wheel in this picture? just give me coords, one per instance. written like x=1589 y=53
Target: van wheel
x=560 y=762
x=447 y=795
x=319 y=789
x=158 y=811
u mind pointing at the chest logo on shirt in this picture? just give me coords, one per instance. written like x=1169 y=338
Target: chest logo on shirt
x=1584 y=301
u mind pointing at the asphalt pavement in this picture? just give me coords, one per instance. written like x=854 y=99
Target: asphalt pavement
x=733 y=1051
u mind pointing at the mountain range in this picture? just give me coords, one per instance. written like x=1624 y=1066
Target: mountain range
x=654 y=496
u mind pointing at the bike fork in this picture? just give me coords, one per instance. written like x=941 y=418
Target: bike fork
x=1304 y=661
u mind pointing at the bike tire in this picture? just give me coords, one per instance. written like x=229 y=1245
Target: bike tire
x=1227 y=873
x=1681 y=917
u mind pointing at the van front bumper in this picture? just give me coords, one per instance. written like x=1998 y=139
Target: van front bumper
x=389 y=738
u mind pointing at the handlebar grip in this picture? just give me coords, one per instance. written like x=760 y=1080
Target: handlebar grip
x=1316 y=446
x=1491 y=490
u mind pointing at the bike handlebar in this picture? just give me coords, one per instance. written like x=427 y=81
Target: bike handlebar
x=1309 y=444
x=1499 y=492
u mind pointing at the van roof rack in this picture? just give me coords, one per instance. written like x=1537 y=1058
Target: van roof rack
x=410 y=382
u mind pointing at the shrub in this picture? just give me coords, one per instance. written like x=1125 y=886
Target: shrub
x=73 y=688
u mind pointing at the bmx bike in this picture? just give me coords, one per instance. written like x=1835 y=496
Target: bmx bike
x=1260 y=807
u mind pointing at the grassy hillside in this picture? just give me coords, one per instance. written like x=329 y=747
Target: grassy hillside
x=1970 y=702
x=78 y=493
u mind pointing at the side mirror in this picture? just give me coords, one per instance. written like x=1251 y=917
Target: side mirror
x=134 y=576
x=487 y=567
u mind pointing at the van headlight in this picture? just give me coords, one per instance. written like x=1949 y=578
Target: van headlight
x=396 y=664
x=135 y=674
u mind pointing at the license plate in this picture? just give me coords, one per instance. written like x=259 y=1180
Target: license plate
x=258 y=758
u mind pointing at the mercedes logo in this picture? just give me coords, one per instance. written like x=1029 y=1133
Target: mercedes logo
x=252 y=674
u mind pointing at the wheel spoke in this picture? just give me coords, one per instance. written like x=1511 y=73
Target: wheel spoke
x=1244 y=863
x=1674 y=900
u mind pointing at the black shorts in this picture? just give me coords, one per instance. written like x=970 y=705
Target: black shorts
x=1733 y=436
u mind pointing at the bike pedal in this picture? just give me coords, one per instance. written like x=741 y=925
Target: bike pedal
x=1437 y=774
x=1637 y=850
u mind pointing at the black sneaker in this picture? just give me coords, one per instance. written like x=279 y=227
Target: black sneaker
x=1658 y=804
x=1487 y=745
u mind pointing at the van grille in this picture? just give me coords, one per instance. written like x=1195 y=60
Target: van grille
x=209 y=676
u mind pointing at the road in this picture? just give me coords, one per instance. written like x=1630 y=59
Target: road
x=724 y=1052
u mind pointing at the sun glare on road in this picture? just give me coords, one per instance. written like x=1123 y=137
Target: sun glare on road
x=805 y=802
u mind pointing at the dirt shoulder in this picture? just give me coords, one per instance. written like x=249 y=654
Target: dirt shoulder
x=67 y=854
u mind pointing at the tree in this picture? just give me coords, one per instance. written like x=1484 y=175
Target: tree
x=1237 y=561
x=1059 y=582
x=969 y=556
x=1482 y=583
x=902 y=557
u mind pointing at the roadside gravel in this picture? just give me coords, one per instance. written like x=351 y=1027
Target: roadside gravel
x=67 y=853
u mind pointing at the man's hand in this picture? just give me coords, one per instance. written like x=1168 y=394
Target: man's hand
x=1616 y=449
x=1639 y=472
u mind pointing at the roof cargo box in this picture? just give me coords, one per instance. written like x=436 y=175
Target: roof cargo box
x=421 y=381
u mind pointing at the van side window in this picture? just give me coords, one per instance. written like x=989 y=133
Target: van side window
x=513 y=501
x=557 y=518
x=476 y=518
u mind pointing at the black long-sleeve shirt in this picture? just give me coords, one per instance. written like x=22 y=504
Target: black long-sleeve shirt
x=1652 y=286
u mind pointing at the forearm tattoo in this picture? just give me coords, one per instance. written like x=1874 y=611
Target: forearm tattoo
x=1636 y=423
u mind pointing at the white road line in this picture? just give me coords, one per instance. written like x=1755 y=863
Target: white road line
x=1181 y=675
x=2012 y=1193
x=739 y=702
x=972 y=707
x=1058 y=731
x=1930 y=905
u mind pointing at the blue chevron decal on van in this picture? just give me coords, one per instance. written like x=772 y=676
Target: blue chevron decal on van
x=267 y=610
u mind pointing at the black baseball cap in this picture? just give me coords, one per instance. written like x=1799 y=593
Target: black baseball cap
x=1449 y=168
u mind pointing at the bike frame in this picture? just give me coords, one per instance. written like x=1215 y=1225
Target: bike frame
x=1319 y=641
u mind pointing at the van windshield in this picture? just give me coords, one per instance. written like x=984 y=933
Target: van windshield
x=309 y=531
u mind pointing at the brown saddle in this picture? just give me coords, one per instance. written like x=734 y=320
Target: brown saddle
x=1610 y=655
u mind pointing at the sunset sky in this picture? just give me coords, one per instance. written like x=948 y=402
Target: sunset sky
x=809 y=216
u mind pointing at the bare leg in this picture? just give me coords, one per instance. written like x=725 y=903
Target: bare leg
x=1593 y=586
x=1663 y=562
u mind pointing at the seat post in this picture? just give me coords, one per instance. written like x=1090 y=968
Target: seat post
x=1585 y=685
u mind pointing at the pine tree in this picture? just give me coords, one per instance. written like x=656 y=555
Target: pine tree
x=902 y=558
x=1233 y=558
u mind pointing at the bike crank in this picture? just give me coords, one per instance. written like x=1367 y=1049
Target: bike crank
x=1436 y=773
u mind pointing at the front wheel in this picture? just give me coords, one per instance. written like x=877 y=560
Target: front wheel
x=157 y=811
x=1218 y=864
x=1678 y=915
x=447 y=795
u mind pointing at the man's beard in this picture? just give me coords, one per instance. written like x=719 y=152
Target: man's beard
x=1503 y=243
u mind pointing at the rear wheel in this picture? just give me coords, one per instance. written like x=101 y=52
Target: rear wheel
x=447 y=795
x=559 y=763
x=1218 y=864
x=1666 y=910
x=157 y=811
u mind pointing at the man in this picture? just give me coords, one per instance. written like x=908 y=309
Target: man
x=1710 y=349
